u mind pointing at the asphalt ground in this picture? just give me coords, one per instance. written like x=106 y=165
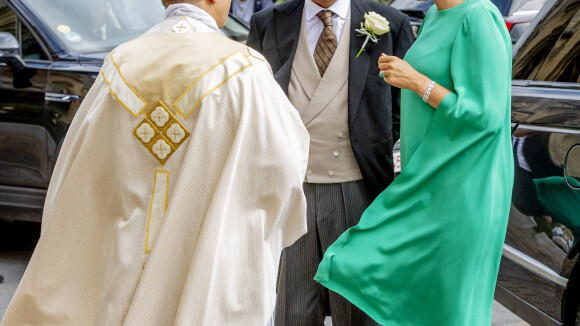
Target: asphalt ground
x=18 y=239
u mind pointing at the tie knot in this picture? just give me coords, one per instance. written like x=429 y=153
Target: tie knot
x=325 y=16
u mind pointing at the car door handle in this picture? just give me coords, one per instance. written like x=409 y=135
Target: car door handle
x=63 y=98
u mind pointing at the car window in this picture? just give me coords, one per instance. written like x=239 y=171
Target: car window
x=503 y=6
x=534 y=50
x=405 y=3
x=235 y=30
x=90 y=26
x=563 y=63
x=7 y=19
x=30 y=48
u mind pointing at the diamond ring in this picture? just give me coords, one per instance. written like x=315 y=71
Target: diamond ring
x=382 y=74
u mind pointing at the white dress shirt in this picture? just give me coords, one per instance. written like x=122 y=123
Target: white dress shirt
x=314 y=25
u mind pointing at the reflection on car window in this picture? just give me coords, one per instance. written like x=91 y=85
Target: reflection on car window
x=542 y=193
x=539 y=44
x=563 y=63
x=502 y=5
x=573 y=166
x=30 y=47
x=7 y=19
x=88 y=26
x=235 y=30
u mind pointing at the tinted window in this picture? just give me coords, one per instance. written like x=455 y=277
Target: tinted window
x=412 y=7
x=89 y=26
x=31 y=49
x=538 y=45
x=405 y=3
x=7 y=19
x=502 y=5
x=29 y=46
x=235 y=30
x=563 y=63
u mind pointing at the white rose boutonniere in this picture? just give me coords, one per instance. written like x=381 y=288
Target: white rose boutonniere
x=374 y=25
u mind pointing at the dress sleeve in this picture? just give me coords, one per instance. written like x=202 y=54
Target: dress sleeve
x=480 y=71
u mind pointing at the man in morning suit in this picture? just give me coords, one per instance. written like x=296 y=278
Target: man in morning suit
x=352 y=116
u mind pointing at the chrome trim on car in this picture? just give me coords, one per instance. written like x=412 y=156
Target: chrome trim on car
x=549 y=129
x=56 y=97
x=533 y=265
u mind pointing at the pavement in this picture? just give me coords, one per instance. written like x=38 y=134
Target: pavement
x=17 y=242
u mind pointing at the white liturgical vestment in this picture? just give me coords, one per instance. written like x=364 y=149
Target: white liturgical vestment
x=177 y=187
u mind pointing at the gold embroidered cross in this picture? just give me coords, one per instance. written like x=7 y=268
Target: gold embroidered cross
x=180 y=27
x=162 y=126
x=160 y=148
x=145 y=133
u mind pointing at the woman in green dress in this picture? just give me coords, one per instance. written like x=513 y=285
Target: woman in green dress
x=427 y=251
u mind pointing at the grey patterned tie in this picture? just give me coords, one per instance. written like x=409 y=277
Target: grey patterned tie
x=326 y=45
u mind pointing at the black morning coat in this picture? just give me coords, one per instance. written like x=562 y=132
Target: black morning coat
x=373 y=105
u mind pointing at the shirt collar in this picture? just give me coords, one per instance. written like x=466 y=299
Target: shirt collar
x=340 y=8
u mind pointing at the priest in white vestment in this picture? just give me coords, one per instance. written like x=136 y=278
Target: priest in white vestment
x=178 y=185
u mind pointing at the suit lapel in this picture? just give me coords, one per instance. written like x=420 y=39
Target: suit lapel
x=304 y=67
x=287 y=20
x=358 y=67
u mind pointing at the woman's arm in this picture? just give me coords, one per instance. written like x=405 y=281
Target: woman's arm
x=400 y=74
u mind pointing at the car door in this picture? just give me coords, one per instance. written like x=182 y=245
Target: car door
x=23 y=136
x=544 y=225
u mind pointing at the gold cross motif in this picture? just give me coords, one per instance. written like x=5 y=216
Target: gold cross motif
x=160 y=148
x=160 y=116
x=145 y=133
x=180 y=27
x=161 y=132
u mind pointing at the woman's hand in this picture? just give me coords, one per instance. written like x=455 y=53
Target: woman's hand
x=400 y=74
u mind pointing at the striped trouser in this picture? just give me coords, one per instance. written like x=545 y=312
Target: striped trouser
x=332 y=209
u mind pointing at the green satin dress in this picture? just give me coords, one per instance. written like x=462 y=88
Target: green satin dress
x=427 y=250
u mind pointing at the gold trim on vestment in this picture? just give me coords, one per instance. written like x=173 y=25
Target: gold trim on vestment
x=164 y=192
x=200 y=78
x=108 y=81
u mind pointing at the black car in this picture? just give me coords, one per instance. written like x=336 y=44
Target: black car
x=539 y=277
x=517 y=13
x=50 y=54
